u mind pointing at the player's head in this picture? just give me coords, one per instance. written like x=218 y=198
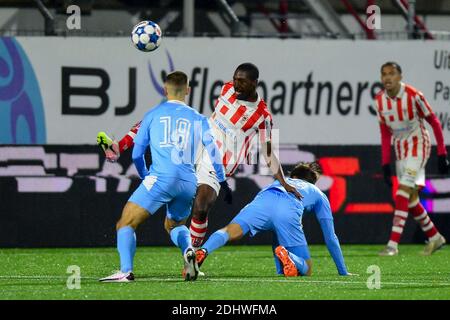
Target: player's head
x=176 y=85
x=391 y=75
x=245 y=80
x=308 y=171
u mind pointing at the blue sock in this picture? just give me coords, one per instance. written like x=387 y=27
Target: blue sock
x=181 y=238
x=218 y=239
x=126 y=245
x=300 y=263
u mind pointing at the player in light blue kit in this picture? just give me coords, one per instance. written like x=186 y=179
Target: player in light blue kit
x=276 y=210
x=174 y=132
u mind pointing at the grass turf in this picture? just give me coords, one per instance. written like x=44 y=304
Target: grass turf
x=232 y=272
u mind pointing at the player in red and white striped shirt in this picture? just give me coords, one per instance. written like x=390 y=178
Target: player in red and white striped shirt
x=239 y=116
x=401 y=111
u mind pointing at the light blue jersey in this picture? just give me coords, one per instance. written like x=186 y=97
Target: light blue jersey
x=314 y=200
x=174 y=132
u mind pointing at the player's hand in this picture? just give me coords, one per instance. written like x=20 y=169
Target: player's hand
x=350 y=274
x=443 y=164
x=293 y=190
x=228 y=192
x=387 y=173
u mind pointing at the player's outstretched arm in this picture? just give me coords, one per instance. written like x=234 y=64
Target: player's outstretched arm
x=114 y=148
x=277 y=171
x=128 y=140
x=138 y=156
x=109 y=146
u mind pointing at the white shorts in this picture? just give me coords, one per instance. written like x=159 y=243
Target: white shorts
x=411 y=171
x=205 y=172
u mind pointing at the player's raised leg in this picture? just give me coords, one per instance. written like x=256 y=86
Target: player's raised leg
x=204 y=200
x=132 y=216
x=178 y=210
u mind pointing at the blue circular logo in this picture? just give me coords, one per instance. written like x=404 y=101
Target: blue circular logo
x=22 y=119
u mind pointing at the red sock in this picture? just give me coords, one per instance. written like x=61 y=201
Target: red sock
x=198 y=230
x=421 y=216
x=400 y=216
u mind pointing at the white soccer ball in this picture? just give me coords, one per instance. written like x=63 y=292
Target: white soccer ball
x=146 y=36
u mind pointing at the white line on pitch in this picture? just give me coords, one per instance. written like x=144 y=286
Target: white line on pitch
x=303 y=280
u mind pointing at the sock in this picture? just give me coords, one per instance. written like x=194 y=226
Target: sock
x=421 y=216
x=126 y=245
x=198 y=230
x=400 y=216
x=218 y=239
x=181 y=238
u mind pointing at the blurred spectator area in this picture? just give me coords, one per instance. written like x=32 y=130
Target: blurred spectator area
x=256 y=17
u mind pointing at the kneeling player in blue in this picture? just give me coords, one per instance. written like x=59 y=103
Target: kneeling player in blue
x=174 y=132
x=274 y=209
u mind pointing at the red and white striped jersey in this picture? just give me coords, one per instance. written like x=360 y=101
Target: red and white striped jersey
x=235 y=123
x=404 y=116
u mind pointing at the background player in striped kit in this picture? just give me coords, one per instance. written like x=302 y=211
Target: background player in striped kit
x=401 y=111
x=240 y=114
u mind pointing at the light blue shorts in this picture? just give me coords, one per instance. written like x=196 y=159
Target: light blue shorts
x=176 y=194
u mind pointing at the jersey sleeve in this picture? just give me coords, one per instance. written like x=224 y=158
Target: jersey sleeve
x=423 y=107
x=386 y=137
x=333 y=246
x=322 y=207
x=208 y=141
x=265 y=128
x=141 y=141
x=325 y=217
x=128 y=140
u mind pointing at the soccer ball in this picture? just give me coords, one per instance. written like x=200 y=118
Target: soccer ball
x=146 y=36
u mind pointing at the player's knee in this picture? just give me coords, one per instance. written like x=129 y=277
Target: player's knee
x=204 y=200
x=171 y=224
x=132 y=216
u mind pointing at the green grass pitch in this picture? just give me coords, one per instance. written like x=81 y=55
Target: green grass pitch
x=232 y=272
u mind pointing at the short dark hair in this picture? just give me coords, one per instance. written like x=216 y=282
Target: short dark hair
x=392 y=64
x=177 y=78
x=250 y=69
x=308 y=171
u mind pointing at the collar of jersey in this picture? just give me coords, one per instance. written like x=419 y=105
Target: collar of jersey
x=253 y=105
